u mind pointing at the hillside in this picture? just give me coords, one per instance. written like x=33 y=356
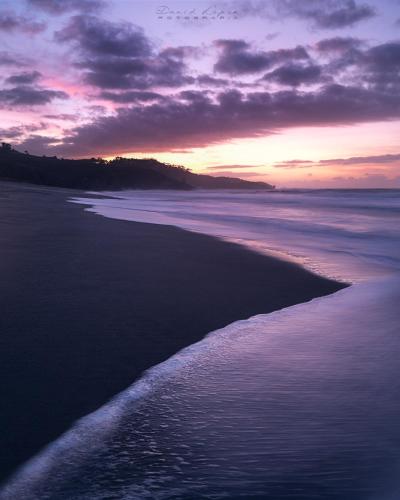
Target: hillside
x=99 y=174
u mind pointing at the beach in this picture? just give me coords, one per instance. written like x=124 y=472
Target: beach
x=88 y=303
x=199 y=250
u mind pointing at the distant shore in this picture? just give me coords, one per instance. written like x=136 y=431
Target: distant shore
x=120 y=173
x=89 y=303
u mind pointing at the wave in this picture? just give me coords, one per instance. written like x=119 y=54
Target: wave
x=339 y=234
x=51 y=473
x=279 y=365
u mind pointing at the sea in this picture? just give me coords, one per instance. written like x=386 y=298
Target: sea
x=302 y=403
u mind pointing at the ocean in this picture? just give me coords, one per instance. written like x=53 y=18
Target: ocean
x=350 y=235
x=302 y=403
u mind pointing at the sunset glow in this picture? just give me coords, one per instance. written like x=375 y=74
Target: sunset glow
x=238 y=93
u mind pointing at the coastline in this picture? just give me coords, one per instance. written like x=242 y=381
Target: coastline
x=89 y=303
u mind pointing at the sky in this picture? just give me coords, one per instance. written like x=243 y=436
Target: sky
x=295 y=93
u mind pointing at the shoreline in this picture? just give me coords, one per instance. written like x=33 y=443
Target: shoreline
x=90 y=303
x=102 y=446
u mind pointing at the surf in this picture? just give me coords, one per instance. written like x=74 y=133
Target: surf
x=294 y=403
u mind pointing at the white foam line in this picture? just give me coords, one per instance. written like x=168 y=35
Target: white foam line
x=90 y=431
x=169 y=220
x=92 y=428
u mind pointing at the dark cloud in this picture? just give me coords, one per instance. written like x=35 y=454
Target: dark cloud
x=194 y=96
x=350 y=62
x=29 y=96
x=130 y=96
x=114 y=72
x=7 y=59
x=211 y=81
x=236 y=57
x=119 y=56
x=379 y=66
x=295 y=74
x=162 y=70
x=178 y=124
x=327 y=14
x=63 y=6
x=323 y=14
x=25 y=78
x=9 y=22
x=18 y=131
x=384 y=57
x=375 y=63
x=62 y=116
x=96 y=109
x=338 y=45
x=97 y=37
x=11 y=132
x=36 y=143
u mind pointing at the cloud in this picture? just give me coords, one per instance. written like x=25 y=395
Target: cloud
x=194 y=96
x=62 y=116
x=6 y=59
x=119 y=56
x=56 y=7
x=115 y=72
x=9 y=22
x=176 y=124
x=11 y=132
x=20 y=130
x=97 y=37
x=236 y=57
x=166 y=69
x=354 y=160
x=321 y=14
x=36 y=143
x=327 y=14
x=25 y=78
x=295 y=74
x=378 y=66
x=230 y=173
x=211 y=81
x=338 y=45
x=126 y=68
x=294 y=164
x=363 y=160
x=29 y=96
x=130 y=96
x=230 y=167
x=384 y=58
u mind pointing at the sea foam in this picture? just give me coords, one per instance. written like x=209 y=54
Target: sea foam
x=300 y=403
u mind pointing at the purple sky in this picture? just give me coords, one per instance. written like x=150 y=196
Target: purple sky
x=299 y=93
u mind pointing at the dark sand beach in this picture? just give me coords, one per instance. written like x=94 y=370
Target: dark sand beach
x=89 y=303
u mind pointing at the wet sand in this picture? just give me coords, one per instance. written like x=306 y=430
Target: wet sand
x=89 y=303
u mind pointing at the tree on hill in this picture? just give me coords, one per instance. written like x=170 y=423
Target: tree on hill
x=119 y=173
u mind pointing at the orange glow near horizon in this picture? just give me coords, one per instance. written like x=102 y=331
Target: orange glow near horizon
x=137 y=85
x=258 y=156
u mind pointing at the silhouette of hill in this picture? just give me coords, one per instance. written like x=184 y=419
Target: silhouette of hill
x=99 y=174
